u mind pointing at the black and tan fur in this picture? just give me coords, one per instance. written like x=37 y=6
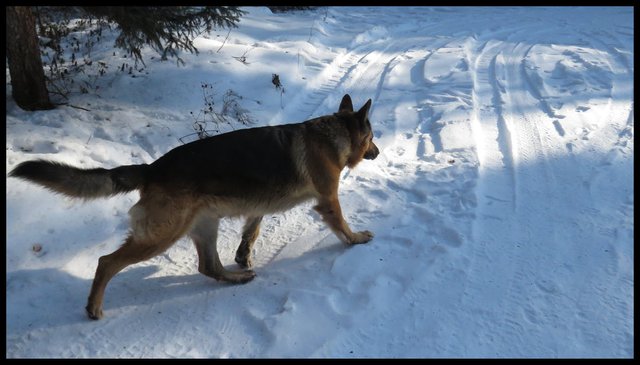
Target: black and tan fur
x=249 y=173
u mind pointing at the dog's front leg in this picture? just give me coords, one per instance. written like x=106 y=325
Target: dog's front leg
x=249 y=236
x=329 y=208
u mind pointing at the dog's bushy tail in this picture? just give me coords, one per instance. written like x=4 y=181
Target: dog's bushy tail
x=82 y=183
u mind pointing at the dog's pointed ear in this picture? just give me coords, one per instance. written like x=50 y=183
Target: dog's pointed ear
x=363 y=113
x=346 y=104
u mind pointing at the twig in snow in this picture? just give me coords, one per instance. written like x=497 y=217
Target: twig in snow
x=225 y=40
x=74 y=106
x=243 y=58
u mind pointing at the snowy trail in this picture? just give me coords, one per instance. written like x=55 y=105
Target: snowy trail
x=520 y=144
x=502 y=199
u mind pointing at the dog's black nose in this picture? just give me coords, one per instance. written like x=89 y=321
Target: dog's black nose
x=372 y=152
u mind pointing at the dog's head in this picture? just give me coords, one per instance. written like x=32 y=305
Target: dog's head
x=362 y=146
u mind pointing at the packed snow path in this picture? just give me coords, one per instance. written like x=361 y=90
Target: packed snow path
x=502 y=200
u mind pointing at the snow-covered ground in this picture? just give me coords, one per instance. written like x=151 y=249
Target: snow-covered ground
x=502 y=199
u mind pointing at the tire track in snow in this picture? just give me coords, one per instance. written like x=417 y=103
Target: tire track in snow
x=504 y=138
x=535 y=92
x=530 y=146
x=610 y=172
x=499 y=228
x=622 y=72
x=303 y=105
x=368 y=80
x=493 y=138
x=331 y=84
x=542 y=177
x=428 y=118
x=547 y=177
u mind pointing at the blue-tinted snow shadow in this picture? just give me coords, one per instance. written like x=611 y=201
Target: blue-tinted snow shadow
x=47 y=298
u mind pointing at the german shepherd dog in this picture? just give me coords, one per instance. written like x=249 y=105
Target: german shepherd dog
x=249 y=173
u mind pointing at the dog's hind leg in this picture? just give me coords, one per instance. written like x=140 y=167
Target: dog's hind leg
x=204 y=235
x=157 y=221
x=129 y=253
x=249 y=236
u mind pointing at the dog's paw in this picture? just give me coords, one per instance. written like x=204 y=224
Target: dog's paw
x=93 y=313
x=362 y=237
x=234 y=277
x=239 y=277
x=244 y=262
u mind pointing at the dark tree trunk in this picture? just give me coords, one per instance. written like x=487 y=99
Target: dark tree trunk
x=25 y=65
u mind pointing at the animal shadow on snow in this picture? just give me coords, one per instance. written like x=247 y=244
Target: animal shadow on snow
x=52 y=298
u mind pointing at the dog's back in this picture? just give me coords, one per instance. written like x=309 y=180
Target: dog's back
x=241 y=163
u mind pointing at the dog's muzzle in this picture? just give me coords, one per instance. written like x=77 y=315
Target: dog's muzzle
x=372 y=152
